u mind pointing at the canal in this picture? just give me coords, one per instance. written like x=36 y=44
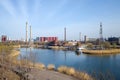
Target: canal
x=105 y=64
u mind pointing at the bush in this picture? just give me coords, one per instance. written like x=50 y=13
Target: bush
x=66 y=70
x=70 y=71
x=83 y=76
x=40 y=66
x=62 y=69
x=51 y=67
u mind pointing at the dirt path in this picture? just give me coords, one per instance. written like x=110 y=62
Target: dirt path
x=35 y=74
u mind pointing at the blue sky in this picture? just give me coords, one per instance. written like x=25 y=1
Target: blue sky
x=49 y=17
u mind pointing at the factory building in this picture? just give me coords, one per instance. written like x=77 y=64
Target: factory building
x=114 y=40
x=46 y=39
x=4 y=38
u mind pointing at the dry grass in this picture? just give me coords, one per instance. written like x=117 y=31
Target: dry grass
x=6 y=74
x=14 y=53
x=109 y=51
x=62 y=69
x=83 y=76
x=71 y=71
x=39 y=66
x=51 y=67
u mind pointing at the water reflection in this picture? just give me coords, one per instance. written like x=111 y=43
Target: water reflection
x=77 y=52
x=65 y=52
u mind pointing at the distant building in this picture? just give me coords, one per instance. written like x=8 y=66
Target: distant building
x=114 y=40
x=46 y=39
x=4 y=38
x=119 y=40
x=92 y=39
x=37 y=39
x=85 y=38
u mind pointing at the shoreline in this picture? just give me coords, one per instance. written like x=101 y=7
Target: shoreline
x=86 y=51
x=14 y=53
x=70 y=72
x=102 y=52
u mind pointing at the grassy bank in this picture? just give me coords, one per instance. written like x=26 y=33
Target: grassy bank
x=62 y=69
x=16 y=69
x=24 y=65
x=71 y=71
x=98 y=52
x=6 y=56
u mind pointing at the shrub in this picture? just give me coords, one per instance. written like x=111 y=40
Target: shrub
x=62 y=69
x=70 y=71
x=83 y=76
x=40 y=66
x=51 y=67
x=66 y=70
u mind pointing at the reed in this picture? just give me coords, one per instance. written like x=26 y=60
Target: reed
x=83 y=76
x=73 y=72
x=39 y=66
x=70 y=71
x=62 y=69
x=109 y=51
x=51 y=67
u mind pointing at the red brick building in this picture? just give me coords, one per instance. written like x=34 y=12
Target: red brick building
x=3 y=38
x=48 y=39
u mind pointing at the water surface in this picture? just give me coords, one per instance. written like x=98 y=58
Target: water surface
x=83 y=62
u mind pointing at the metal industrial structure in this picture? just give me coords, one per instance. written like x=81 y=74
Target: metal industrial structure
x=101 y=36
x=101 y=32
x=26 y=32
x=30 y=42
x=80 y=36
x=64 y=34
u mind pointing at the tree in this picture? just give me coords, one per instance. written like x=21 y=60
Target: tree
x=106 y=45
x=90 y=45
x=114 y=45
x=78 y=44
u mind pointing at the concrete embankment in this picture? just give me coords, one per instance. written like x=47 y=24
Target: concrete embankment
x=97 y=52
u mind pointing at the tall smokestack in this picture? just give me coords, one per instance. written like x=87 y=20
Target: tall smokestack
x=64 y=34
x=30 y=34
x=26 y=32
x=80 y=36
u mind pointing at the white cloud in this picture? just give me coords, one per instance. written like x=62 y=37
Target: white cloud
x=23 y=7
x=36 y=6
x=57 y=8
x=8 y=7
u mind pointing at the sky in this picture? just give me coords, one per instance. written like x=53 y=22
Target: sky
x=50 y=17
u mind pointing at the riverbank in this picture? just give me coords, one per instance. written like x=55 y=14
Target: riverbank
x=14 y=53
x=41 y=70
x=99 y=52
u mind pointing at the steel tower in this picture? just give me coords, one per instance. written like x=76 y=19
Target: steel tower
x=101 y=32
